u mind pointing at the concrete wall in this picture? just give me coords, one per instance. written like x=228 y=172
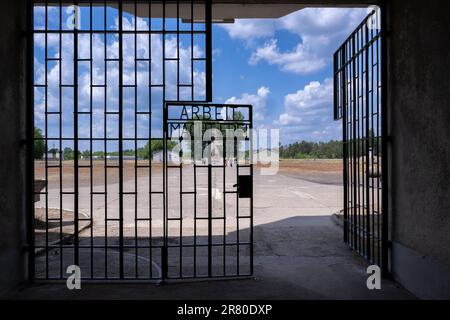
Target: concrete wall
x=12 y=157
x=419 y=94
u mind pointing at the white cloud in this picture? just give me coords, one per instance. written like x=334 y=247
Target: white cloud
x=301 y=60
x=321 y=30
x=247 y=29
x=317 y=22
x=258 y=101
x=312 y=99
x=98 y=70
x=308 y=113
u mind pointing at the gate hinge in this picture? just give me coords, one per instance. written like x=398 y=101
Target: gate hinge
x=25 y=33
x=389 y=244
x=386 y=33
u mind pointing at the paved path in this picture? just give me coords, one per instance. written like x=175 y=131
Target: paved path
x=299 y=253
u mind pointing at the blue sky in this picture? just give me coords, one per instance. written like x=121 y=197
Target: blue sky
x=282 y=67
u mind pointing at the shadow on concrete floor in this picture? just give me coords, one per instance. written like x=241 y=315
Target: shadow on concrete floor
x=300 y=257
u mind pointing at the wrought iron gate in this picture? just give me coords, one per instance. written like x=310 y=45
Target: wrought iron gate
x=360 y=102
x=209 y=191
x=100 y=74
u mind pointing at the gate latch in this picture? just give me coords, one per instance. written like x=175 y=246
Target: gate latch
x=244 y=186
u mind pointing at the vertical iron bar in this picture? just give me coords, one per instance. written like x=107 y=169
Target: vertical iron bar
x=91 y=179
x=354 y=142
x=61 y=253
x=367 y=140
x=181 y=218
x=336 y=88
x=195 y=213
x=251 y=196
x=192 y=51
x=181 y=164
x=178 y=50
x=164 y=251
x=210 y=212
x=345 y=144
x=374 y=235
x=75 y=143
x=350 y=144
x=121 y=242
x=361 y=176
x=150 y=134
x=360 y=123
x=135 y=144
x=224 y=236
x=236 y=148
x=208 y=48
x=350 y=117
x=340 y=65
x=46 y=142
x=105 y=143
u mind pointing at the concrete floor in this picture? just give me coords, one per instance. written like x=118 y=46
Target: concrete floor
x=299 y=254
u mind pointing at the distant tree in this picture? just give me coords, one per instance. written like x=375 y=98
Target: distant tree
x=312 y=150
x=68 y=153
x=39 y=144
x=99 y=154
x=152 y=147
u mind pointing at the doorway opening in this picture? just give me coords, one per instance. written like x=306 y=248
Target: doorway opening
x=316 y=75
x=110 y=193
x=107 y=79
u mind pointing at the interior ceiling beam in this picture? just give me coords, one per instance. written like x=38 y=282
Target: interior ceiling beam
x=228 y=10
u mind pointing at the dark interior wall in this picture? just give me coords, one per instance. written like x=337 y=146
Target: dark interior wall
x=420 y=114
x=419 y=95
x=12 y=152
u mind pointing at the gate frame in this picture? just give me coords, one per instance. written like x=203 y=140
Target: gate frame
x=383 y=35
x=29 y=121
x=210 y=276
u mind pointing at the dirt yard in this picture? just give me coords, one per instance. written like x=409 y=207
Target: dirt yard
x=314 y=170
x=319 y=170
x=98 y=172
x=311 y=165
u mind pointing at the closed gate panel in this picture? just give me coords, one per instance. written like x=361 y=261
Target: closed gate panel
x=101 y=73
x=209 y=223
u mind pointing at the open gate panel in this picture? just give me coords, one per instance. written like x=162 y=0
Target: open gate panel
x=359 y=101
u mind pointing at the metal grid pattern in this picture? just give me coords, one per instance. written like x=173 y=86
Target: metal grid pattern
x=359 y=103
x=98 y=94
x=209 y=222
